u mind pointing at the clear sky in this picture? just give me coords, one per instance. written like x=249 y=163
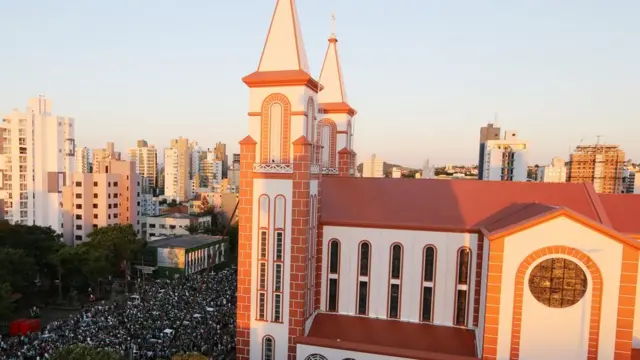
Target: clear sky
x=423 y=74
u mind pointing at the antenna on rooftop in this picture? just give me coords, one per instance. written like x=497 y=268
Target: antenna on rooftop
x=598 y=139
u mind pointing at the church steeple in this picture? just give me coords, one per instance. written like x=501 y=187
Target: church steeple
x=333 y=97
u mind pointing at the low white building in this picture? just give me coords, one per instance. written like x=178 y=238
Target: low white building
x=174 y=224
x=149 y=205
x=556 y=172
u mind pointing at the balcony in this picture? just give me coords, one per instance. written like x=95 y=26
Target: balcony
x=273 y=168
x=315 y=168
x=329 y=171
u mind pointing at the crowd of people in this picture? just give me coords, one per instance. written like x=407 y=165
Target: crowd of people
x=194 y=314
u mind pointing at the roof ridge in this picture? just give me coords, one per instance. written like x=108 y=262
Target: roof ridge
x=597 y=206
x=526 y=206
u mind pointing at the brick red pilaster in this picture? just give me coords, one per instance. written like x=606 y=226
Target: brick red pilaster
x=245 y=211
x=302 y=152
x=344 y=161
x=319 y=247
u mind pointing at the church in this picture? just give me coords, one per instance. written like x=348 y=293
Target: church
x=335 y=267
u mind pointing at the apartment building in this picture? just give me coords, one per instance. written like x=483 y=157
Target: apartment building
x=374 y=167
x=110 y=195
x=104 y=155
x=506 y=159
x=489 y=132
x=631 y=181
x=211 y=170
x=177 y=168
x=221 y=154
x=555 y=172
x=146 y=159
x=83 y=160
x=37 y=160
x=601 y=165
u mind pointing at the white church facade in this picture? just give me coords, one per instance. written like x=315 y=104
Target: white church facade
x=334 y=267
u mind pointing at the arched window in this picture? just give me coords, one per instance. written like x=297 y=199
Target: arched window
x=428 y=283
x=364 y=259
x=275 y=132
x=268 y=348
x=325 y=134
x=395 y=281
x=463 y=278
x=315 y=357
x=263 y=256
x=333 y=275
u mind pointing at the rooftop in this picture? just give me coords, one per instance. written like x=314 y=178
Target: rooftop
x=185 y=241
x=390 y=337
x=177 y=216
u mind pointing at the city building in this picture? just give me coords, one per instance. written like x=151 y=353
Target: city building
x=83 y=160
x=179 y=256
x=506 y=159
x=160 y=177
x=236 y=161
x=428 y=171
x=373 y=167
x=221 y=154
x=631 y=181
x=149 y=205
x=489 y=132
x=104 y=155
x=38 y=159
x=601 y=165
x=172 y=224
x=108 y=196
x=556 y=172
x=211 y=169
x=396 y=173
x=403 y=269
x=225 y=186
x=177 y=170
x=146 y=159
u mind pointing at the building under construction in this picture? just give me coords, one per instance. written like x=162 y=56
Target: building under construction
x=602 y=165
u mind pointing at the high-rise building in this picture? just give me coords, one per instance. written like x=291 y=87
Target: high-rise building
x=489 y=132
x=556 y=172
x=236 y=161
x=373 y=167
x=104 y=155
x=83 y=160
x=38 y=159
x=146 y=158
x=602 y=165
x=221 y=154
x=630 y=180
x=110 y=195
x=196 y=154
x=428 y=171
x=210 y=169
x=505 y=160
x=177 y=169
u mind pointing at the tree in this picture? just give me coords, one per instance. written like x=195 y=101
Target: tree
x=232 y=233
x=192 y=228
x=17 y=269
x=172 y=203
x=84 y=352
x=6 y=305
x=118 y=243
x=39 y=243
x=162 y=202
x=191 y=356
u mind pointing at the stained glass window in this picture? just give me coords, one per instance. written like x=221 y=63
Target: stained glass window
x=558 y=282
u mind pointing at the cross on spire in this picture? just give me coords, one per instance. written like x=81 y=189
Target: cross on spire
x=333 y=25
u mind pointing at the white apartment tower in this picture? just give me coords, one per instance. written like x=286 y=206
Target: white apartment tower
x=83 y=160
x=146 y=159
x=506 y=159
x=374 y=167
x=177 y=168
x=556 y=172
x=38 y=160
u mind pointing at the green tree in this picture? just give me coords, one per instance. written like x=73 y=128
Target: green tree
x=172 y=203
x=192 y=228
x=118 y=243
x=6 y=305
x=17 y=269
x=84 y=352
x=39 y=243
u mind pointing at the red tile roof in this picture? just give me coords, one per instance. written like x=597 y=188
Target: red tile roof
x=635 y=354
x=623 y=211
x=444 y=205
x=391 y=337
x=516 y=214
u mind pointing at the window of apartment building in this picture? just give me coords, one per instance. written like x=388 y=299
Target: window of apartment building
x=78 y=183
x=109 y=184
x=108 y=196
x=334 y=273
x=463 y=277
x=115 y=206
x=78 y=238
x=95 y=196
x=115 y=183
x=95 y=226
x=428 y=283
x=115 y=216
x=95 y=183
x=152 y=226
x=78 y=216
x=364 y=257
x=162 y=226
x=78 y=227
x=95 y=216
x=95 y=206
x=109 y=206
x=115 y=195
x=78 y=195
x=172 y=227
x=79 y=206
x=152 y=234
x=109 y=216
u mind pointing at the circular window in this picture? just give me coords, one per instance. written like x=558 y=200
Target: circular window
x=558 y=282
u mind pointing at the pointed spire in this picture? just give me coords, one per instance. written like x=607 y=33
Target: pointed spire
x=333 y=97
x=284 y=47
x=284 y=59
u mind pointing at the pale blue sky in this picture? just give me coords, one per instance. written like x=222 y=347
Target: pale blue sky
x=424 y=75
